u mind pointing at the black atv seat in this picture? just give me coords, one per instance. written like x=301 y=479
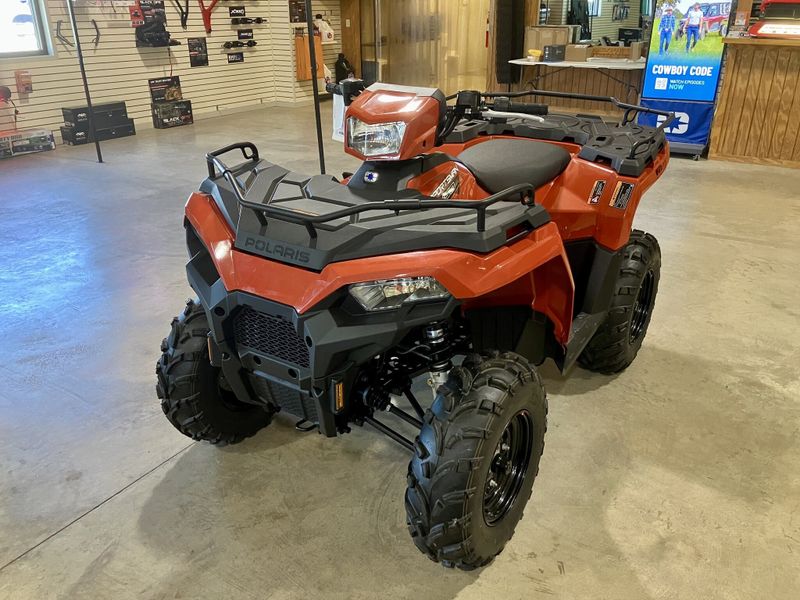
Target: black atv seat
x=498 y=164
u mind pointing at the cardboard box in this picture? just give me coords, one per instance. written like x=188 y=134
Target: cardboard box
x=106 y=115
x=632 y=52
x=25 y=141
x=578 y=53
x=172 y=114
x=536 y=38
x=76 y=136
x=554 y=53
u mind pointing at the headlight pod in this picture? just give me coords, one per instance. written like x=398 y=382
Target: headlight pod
x=382 y=139
x=392 y=293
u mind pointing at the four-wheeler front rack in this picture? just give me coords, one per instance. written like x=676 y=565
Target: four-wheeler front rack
x=216 y=167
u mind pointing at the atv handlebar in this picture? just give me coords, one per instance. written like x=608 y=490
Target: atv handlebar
x=472 y=103
x=629 y=114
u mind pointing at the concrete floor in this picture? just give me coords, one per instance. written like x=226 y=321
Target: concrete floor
x=676 y=479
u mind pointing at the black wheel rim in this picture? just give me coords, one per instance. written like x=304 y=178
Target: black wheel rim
x=642 y=306
x=508 y=467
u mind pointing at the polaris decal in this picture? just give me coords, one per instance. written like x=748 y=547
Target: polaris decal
x=281 y=251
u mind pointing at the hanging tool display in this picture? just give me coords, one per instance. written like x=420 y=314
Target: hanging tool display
x=183 y=11
x=247 y=20
x=620 y=12
x=206 y=12
x=60 y=36
x=96 y=38
x=239 y=44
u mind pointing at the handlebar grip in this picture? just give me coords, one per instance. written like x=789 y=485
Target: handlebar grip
x=528 y=109
x=503 y=104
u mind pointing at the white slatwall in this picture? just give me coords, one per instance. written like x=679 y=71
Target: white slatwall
x=605 y=25
x=287 y=88
x=602 y=25
x=117 y=70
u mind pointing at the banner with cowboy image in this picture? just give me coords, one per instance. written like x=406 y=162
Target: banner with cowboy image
x=686 y=50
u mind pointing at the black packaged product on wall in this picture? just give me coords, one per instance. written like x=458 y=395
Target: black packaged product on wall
x=198 y=52
x=165 y=89
x=153 y=32
x=245 y=34
x=240 y=44
x=236 y=11
x=297 y=11
x=235 y=57
x=248 y=20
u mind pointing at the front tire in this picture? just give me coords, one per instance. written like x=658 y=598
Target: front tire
x=193 y=393
x=616 y=342
x=475 y=460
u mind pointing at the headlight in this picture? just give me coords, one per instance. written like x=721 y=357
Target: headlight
x=391 y=293
x=383 y=139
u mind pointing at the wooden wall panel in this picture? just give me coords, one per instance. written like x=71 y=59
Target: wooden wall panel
x=758 y=113
x=582 y=81
x=351 y=36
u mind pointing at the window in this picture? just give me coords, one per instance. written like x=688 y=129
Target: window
x=22 y=31
x=594 y=8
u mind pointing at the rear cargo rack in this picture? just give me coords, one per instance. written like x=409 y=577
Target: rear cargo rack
x=631 y=111
x=216 y=168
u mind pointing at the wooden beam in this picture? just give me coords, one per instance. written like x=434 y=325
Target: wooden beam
x=351 y=34
x=531 y=20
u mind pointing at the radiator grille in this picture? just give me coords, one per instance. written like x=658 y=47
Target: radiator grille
x=270 y=335
x=288 y=400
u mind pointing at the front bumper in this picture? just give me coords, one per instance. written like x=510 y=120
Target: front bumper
x=271 y=354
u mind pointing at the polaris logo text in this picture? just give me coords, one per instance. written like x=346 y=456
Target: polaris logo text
x=287 y=252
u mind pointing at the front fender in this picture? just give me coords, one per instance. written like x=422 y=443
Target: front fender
x=538 y=259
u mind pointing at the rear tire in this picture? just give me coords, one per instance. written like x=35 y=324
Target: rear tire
x=617 y=341
x=193 y=392
x=475 y=460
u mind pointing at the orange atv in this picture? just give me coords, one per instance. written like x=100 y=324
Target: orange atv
x=477 y=239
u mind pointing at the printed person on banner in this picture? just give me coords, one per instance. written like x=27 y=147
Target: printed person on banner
x=694 y=22
x=666 y=28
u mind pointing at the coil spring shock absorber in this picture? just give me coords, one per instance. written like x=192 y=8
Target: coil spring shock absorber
x=435 y=337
